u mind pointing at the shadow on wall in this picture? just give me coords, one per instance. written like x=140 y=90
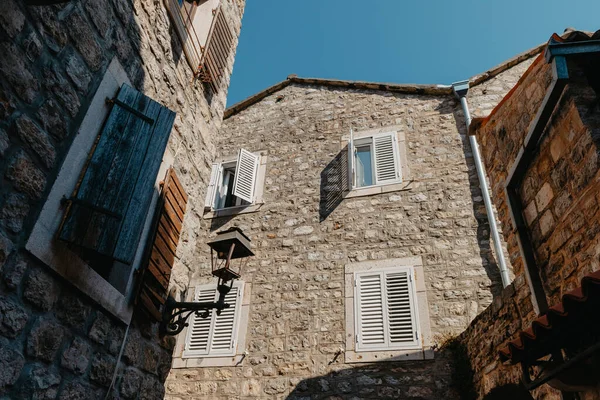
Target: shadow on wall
x=511 y=391
x=334 y=183
x=483 y=228
x=423 y=379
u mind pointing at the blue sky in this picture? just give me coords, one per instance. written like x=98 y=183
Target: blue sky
x=401 y=41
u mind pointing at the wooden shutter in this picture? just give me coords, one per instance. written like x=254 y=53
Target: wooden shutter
x=171 y=209
x=215 y=335
x=209 y=201
x=370 y=313
x=198 y=335
x=216 y=52
x=245 y=175
x=386 y=310
x=387 y=167
x=351 y=169
x=107 y=213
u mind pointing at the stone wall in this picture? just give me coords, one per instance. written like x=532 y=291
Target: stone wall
x=54 y=342
x=302 y=242
x=560 y=206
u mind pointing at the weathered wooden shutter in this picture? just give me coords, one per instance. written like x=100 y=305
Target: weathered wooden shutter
x=216 y=52
x=351 y=168
x=401 y=310
x=171 y=209
x=107 y=213
x=370 y=321
x=215 y=335
x=245 y=175
x=209 y=201
x=386 y=310
x=387 y=167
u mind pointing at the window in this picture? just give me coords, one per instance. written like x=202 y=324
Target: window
x=386 y=311
x=101 y=205
x=216 y=335
x=236 y=183
x=374 y=160
x=386 y=316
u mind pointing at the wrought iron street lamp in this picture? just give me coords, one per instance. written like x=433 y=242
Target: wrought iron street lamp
x=229 y=252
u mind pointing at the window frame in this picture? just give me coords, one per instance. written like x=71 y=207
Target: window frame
x=258 y=188
x=43 y=242
x=183 y=360
x=404 y=180
x=420 y=351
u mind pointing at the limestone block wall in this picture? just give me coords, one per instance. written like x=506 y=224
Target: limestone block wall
x=303 y=240
x=560 y=206
x=54 y=341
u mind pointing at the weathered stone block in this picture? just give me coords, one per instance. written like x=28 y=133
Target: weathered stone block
x=85 y=40
x=80 y=391
x=44 y=340
x=151 y=358
x=131 y=382
x=11 y=364
x=72 y=310
x=12 y=317
x=4 y=142
x=77 y=70
x=6 y=248
x=42 y=383
x=77 y=356
x=26 y=177
x=14 y=211
x=15 y=69
x=14 y=272
x=52 y=119
x=55 y=82
x=103 y=368
x=151 y=389
x=41 y=289
x=37 y=140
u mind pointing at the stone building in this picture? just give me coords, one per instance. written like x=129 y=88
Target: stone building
x=310 y=320
x=371 y=240
x=68 y=325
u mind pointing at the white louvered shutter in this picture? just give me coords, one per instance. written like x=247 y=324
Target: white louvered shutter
x=351 y=172
x=386 y=310
x=387 y=167
x=401 y=309
x=209 y=201
x=198 y=334
x=225 y=325
x=216 y=335
x=245 y=175
x=371 y=320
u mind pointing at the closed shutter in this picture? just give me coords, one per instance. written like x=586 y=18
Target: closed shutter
x=351 y=171
x=371 y=320
x=387 y=167
x=215 y=335
x=106 y=214
x=198 y=334
x=386 y=310
x=245 y=175
x=209 y=201
x=171 y=209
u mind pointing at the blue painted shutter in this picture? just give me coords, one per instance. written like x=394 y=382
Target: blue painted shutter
x=107 y=213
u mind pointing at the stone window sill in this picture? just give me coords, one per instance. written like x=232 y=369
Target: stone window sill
x=388 y=356
x=228 y=212
x=379 y=189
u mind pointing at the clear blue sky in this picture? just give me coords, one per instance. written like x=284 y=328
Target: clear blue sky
x=402 y=41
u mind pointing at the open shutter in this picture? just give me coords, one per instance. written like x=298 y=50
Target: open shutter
x=401 y=309
x=106 y=214
x=351 y=170
x=198 y=334
x=209 y=201
x=387 y=167
x=171 y=209
x=370 y=321
x=245 y=175
x=224 y=329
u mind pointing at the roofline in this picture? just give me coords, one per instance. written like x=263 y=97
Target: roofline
x=434 y=90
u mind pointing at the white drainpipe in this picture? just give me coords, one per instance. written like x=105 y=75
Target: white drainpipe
x=460 y=90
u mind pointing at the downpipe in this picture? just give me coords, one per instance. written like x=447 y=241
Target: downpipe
x=460 y=90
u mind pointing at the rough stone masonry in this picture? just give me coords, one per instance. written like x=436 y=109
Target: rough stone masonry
x=302 y=240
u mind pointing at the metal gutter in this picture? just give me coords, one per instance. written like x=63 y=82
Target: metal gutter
x=460 y=90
